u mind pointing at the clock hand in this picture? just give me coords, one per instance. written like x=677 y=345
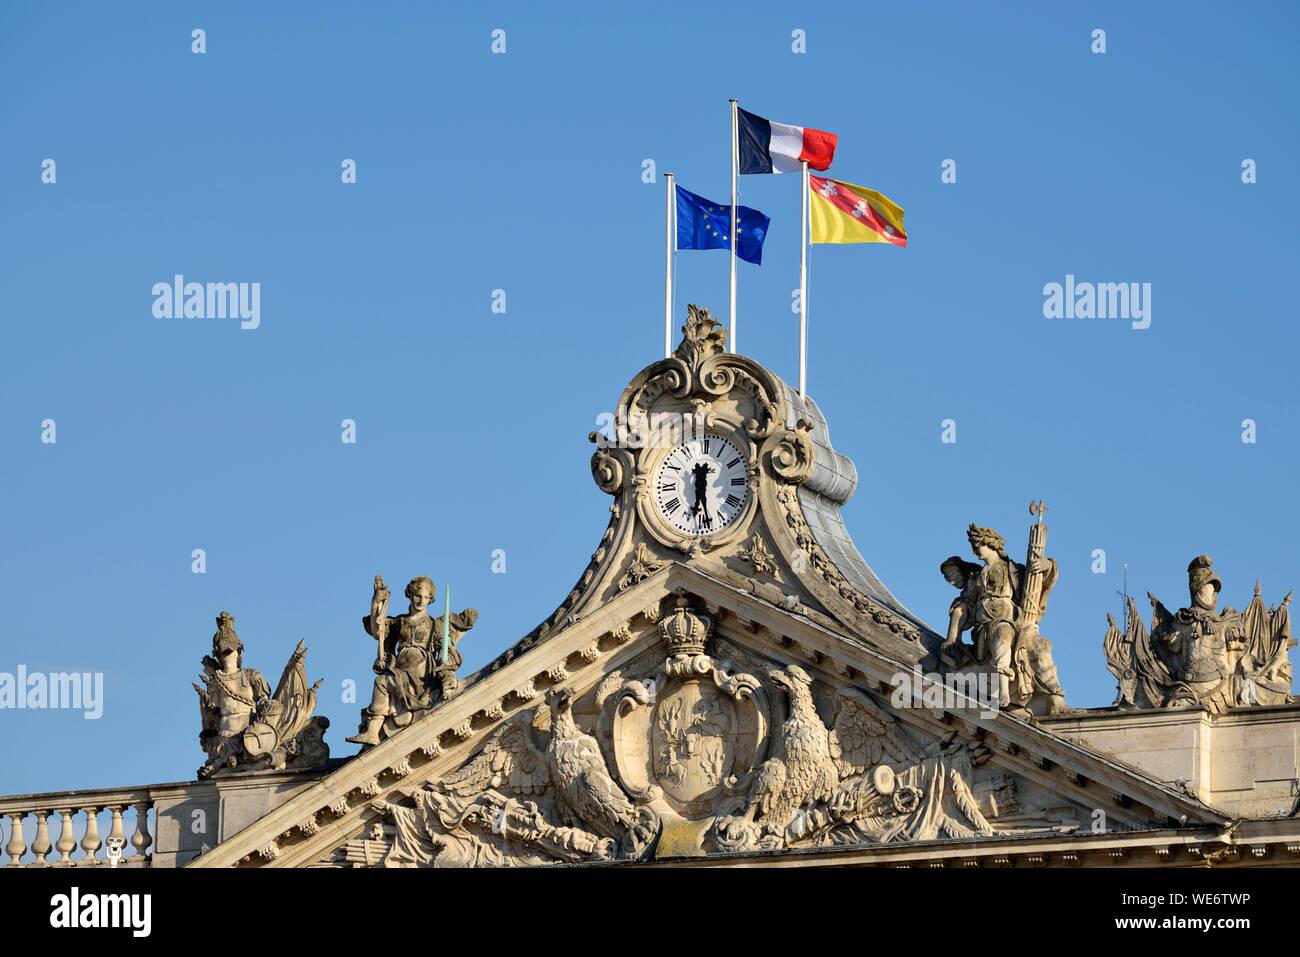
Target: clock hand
x=702 y=491
x=697 y=482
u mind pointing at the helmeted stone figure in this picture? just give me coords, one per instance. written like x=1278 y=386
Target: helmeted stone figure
x=1201 y=635
x=247 y=727
x=231 y=693
x=411 y=674
x=1201 y=655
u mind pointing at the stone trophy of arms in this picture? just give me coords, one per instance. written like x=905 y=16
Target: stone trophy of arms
x=1201 y=655
x=245 y=726
x=415 y=662
x=1001 y=602
x=860 y=780
x=537 y=792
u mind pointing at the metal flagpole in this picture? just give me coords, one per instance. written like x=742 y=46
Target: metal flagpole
x=669 y=243
x=803 y=286
x=735 y=165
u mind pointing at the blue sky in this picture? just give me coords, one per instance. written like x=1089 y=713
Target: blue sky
x=522 y=172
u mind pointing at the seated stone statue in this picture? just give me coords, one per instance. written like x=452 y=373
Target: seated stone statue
x=413 y=671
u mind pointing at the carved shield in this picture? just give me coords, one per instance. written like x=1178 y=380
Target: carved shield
x=693 y=740
x=259 y=739
x=697 y=742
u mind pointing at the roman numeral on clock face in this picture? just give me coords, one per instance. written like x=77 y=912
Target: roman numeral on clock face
x=702 y=486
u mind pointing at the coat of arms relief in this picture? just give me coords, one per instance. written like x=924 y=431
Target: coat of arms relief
x=699 y=746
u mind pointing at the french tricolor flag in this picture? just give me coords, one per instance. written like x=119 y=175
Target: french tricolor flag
x=767 y=147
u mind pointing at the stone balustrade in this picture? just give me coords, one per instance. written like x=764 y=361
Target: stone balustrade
x=46 y=830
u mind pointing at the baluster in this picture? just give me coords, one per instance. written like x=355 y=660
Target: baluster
x=41 y=845
x=141 y=840
x=90 y=841
x=16 y=848
x=115 y=832
x=66 y=843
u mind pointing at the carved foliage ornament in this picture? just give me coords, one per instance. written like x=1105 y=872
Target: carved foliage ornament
x=759 y=556
x=702 y=370
x=640 y=566
x=702 y=337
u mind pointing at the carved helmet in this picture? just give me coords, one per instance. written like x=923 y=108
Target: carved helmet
x=225 y=640
x=1201 y=571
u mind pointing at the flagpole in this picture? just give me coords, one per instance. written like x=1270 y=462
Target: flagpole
x=735 y=164
x=669 y=243
x=803 y=286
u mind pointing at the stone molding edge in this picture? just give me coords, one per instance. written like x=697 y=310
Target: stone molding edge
x=309 y=823
x=828 y=584
x=294 y=835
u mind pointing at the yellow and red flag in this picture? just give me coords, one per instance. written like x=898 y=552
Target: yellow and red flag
x=845 y=213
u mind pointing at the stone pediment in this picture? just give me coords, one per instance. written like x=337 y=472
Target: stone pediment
x=784 y=540
x=727 y=677
x=688 y=717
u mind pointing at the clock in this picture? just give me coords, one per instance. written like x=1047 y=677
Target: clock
x=702 y=485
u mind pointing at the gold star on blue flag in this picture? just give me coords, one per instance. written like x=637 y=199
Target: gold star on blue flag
x=703 y=224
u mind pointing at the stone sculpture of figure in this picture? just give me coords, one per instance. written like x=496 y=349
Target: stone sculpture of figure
x=244 y=725
x=410 y=673
x=1201 y=655
x=1201 y=637
x=1000 y=603
x=231 y=694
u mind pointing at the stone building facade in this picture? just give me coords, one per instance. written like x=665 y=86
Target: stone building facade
x=729 y=683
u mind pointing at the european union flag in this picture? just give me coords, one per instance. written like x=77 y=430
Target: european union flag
x=702 y=224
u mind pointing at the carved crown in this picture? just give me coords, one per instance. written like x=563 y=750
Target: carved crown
x=686 y=630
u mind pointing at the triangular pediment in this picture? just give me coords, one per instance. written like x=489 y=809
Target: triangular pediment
x=689 y=717
x=783 y=539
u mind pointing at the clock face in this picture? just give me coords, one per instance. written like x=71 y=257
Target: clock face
x=702 y=485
